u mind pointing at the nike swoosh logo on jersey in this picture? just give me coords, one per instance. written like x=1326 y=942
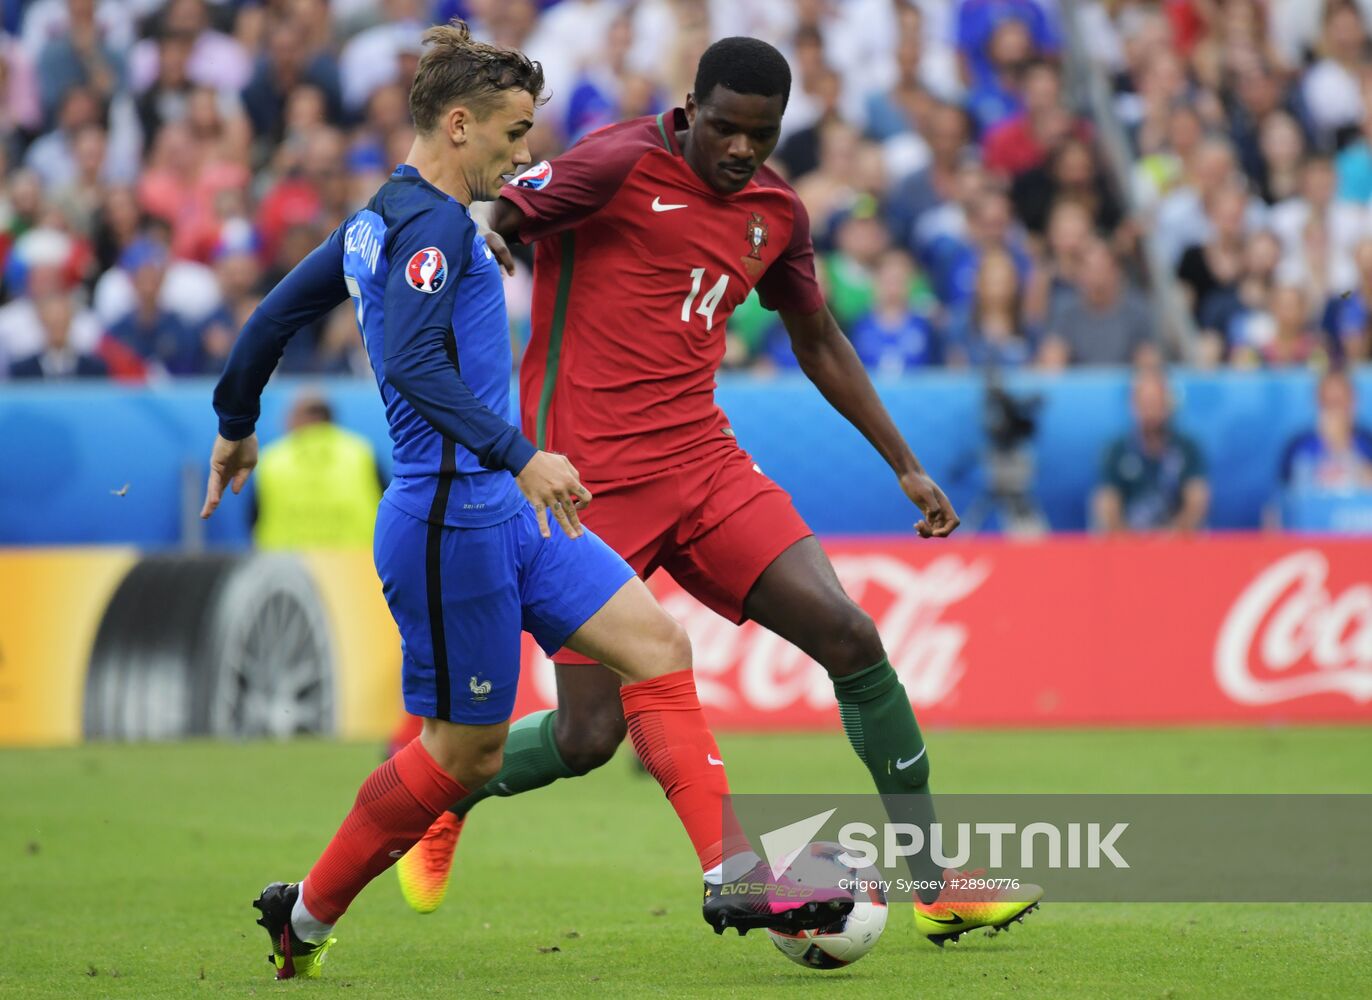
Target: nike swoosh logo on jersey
x=711 y=758
x=658 y=206
x=901 y=765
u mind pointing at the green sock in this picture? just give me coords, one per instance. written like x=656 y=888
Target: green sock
x=531 y=761
x=881 y=726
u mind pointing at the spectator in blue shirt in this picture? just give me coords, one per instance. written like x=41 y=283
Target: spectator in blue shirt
x=948 y=131
x=991 y=225
x=82 y=56
x=1334 y=456
x=978 y=21
x=1153 y=478
x=607 y=90
x=996 y=97
x=161 y=338
x=1347 y=318
x=286 y=64
x=991 y=331
x=892 y=338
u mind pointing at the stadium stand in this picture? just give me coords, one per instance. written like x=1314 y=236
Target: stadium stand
x=991 y=184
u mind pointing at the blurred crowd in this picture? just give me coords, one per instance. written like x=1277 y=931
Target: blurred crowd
x=167 y=161
x=1250 y=123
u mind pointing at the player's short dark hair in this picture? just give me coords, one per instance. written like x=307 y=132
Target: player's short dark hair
x=455 y=68
x=745 y=66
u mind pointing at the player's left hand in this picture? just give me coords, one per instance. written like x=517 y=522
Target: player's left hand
x=231 y=463
x=497 y=244
x=940 y=520
x=551 y=484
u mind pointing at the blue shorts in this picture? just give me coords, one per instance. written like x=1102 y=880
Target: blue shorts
x=460 y=597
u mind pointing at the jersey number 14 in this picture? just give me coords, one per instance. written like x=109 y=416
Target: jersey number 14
x=708 y=301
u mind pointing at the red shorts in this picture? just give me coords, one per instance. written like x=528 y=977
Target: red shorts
x=714 y=524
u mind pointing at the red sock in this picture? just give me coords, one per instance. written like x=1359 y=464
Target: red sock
x=676 y=746
x=394 y=807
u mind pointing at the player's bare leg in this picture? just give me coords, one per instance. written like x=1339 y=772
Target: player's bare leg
x=589 y=722
x=649 y=650
x=799 y=597
x=394 y=807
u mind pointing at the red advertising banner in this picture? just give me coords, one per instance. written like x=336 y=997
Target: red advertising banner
x=1064 y=631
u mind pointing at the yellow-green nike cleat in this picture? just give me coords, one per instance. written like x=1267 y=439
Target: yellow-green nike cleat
x=970 y=900
x=291 y=956
x=424 y=870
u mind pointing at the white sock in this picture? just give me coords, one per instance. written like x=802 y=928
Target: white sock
x=732 y=868
x=307 y=927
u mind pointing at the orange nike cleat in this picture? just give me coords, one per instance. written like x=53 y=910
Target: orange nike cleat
x=424 y=870
x=970 y=900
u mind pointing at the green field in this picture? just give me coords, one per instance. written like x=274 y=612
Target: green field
x=127 y=872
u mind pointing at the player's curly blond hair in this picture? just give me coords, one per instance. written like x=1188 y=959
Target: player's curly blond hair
x=455 y=68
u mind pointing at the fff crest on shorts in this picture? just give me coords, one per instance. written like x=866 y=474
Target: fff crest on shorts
x=427 y=270
x=536 y=178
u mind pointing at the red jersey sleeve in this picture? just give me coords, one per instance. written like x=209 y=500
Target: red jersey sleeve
x=560 y=193
x=790 y=282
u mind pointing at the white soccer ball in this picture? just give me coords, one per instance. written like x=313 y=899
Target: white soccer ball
x=842 y=943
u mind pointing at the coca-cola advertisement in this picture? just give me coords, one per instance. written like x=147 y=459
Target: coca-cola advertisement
x=1078 y=631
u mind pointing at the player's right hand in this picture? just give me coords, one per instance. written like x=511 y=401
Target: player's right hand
x=940 y=520
x=551 y=483
x=231 y=462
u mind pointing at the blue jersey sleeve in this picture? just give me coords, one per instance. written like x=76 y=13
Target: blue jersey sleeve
x=309 y=291
x=419 y=355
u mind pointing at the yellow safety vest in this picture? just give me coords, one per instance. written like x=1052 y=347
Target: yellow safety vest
x=317 y=488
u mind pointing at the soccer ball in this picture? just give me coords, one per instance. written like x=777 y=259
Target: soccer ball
x=842 y=943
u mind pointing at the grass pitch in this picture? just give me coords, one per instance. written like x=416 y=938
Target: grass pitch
x=127 y=871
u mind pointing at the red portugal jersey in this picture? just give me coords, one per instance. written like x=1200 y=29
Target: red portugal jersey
x=638 y=266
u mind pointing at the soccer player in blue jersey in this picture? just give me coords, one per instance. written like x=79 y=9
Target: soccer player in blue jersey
x=463 y=544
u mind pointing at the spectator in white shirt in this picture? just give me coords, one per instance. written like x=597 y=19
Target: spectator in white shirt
x=1333 y=86
x=1319 y=234
x=372 y=59
x=217 y=60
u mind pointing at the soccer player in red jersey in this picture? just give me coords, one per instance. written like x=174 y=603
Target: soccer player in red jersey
x=648 y=234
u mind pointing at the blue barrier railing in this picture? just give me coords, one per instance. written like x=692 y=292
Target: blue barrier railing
x=66 y=450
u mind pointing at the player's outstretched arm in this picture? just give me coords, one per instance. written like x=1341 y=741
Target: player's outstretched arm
x=311 y=289
x=827 y=358
x=553 y=197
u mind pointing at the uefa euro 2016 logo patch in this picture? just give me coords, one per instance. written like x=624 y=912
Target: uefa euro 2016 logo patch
x=427 y=270
x=536 y=178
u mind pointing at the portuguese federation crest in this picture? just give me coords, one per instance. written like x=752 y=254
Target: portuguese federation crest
x=757 y=236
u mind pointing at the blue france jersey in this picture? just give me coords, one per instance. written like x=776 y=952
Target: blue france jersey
x=413 y=259
x=429 y=301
